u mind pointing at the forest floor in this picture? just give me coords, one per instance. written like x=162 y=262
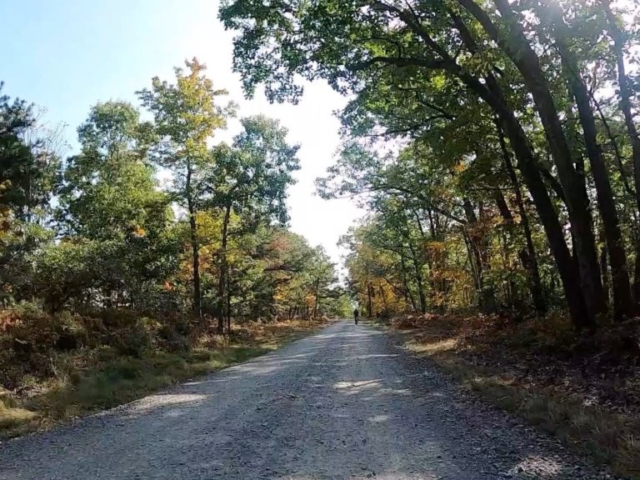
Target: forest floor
x=84 y=381
x=584 y=390
x=345 y=403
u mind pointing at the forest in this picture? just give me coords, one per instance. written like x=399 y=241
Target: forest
x=153 y=238
x=494 y=146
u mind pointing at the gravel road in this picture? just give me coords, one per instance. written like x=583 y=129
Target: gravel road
x=344 y=403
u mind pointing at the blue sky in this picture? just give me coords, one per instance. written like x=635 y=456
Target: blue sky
x=66 y=55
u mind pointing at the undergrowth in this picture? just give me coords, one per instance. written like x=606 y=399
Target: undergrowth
x=582 y=389
x=58 y=368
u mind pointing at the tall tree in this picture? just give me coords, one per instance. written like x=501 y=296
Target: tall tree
x=625 y=92
x=28 y=167
x=623 y=303
x=187 y=115
x=250 y=178
x=110 y=197
x=29 y=176
x=109 y=190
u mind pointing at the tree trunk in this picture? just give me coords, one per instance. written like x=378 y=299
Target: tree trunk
x=407 y=287
x=195 y=247
x=419 y=279
x=474 y=249
x=437 y=261
x=603 y=263
x=222 y=277
x=530 y=259
x=507 y=231
x=473 y=263
x=315 y=300
x=625 y=105
x=636 y=281
x=369 y=300
x=622 y=301
x=384 y=300
x=479 y=248
x=228 y=304
x=517 y=47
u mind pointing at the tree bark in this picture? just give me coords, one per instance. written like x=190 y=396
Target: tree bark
x=473 y=263
x=517 y=47
x=195 y=247
x=419 y=280
x=622 y=300
x=603 y=263
x=384 y=300
x=407 y=287
x=222 y=274
x=228 y=304
x=316 y=287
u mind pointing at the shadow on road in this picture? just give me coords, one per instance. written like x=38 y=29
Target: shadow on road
x=345 y=403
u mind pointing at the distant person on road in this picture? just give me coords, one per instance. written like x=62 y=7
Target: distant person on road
x=356 y=314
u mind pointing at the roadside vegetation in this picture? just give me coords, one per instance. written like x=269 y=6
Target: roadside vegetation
x=151 y=254
x=109 y=373
x=494 y=145
x=584 y=390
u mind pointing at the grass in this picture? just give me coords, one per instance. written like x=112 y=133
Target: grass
x=13 y=417
x=607 y=435
x=90 y=381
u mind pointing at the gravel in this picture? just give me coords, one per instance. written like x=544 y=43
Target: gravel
x=344 y=403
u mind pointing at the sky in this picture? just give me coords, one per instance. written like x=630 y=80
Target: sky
x=67 y=55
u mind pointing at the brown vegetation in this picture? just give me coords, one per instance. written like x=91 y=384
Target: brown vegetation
x=585 y=390
x=55 y=368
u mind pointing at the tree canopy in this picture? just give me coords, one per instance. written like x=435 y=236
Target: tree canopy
x=99 y=231
x=493 y=143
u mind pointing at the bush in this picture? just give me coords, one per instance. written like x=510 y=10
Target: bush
x=136 y=339
x=174 y=336
x=71 y=332
x=29 y=339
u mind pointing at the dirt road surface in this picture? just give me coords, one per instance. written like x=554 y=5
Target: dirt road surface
x=346 y=403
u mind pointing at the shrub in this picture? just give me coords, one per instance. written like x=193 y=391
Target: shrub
x=135 y=339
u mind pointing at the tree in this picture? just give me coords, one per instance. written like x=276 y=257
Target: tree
x=109 y=190
x=109 y=196
x=186 y=116
x=625 y=91
x=417 y=69
x=28 y=164
x=29 y=175
x=250 y=179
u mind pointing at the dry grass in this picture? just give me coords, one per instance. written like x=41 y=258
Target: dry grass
x=12 y=417
x=528 y=369
x=89 y=380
